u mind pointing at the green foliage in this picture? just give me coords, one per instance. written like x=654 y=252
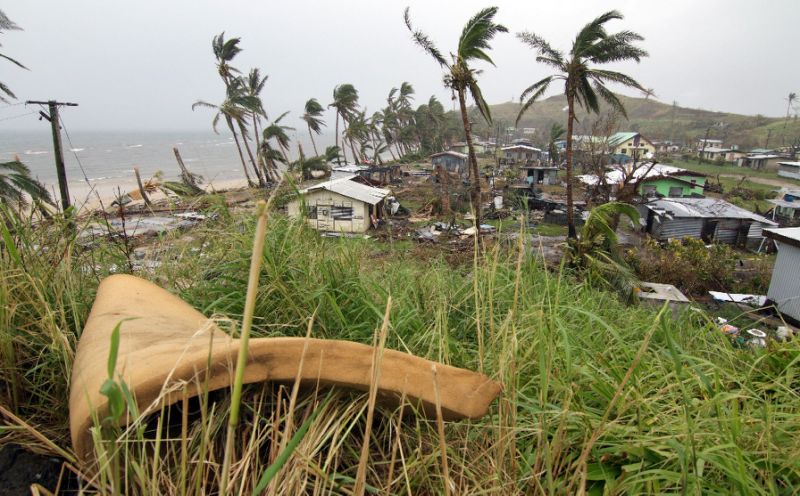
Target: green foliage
x=687 y=264
x=560 y=346
x=7 y=24
x=17 y=185
x=596 y=252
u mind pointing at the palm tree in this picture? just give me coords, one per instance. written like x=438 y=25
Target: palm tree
x=7 y=24
x=584 y=84
x=789 y=103
x=277 y=132
x=239 y=94
x=254 y=85
x=556 y=133
x=231 y=113
x=598 y=252
x=648 y=92
x=224 y=52
x=461 y=78
x=16 y=182
x=345 y=101
x=313 y=118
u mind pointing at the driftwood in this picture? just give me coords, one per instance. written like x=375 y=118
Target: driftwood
x=170 y=344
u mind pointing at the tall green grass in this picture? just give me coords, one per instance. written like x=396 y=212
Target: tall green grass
x=653 y=403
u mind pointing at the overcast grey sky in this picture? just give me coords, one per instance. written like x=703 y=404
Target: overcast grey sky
x=141 y=64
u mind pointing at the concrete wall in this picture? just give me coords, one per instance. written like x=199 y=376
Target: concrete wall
x=784 y=288
x=327 y=206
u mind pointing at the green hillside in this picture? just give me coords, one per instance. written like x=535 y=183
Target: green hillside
x=658 y=121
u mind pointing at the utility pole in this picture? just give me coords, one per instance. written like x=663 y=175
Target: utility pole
x=58 y=152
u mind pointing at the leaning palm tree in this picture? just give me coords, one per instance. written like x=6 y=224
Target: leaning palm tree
x=16 y=185
x=254 y=85
x=790 y=100
x=345 y=102
x=313 y=119
x=583 y=83
x=225 y=51
x=231 y=112
x=278 y=133
x=461 y=78
x=7 y=24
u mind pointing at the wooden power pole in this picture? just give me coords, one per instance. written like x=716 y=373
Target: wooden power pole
x=53 y=106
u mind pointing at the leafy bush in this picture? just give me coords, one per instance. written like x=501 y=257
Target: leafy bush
x=687 y=264
x=695 y=269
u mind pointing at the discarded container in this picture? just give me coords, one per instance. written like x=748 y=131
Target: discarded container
x=498 y=202
x=756 y=337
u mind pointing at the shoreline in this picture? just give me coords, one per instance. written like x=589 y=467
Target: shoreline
x=88 y=198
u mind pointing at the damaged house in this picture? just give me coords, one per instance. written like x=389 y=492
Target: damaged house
x=710 y=219
x=784 y=287
x=451 y=161
x=339 y=205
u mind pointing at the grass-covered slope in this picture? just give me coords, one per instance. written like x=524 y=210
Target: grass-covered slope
x=596 y=393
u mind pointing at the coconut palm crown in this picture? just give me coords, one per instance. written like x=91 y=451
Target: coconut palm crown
x=584 y=84
x=313 y=119
x=460 y=77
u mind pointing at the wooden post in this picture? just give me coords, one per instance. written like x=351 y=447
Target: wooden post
x=52 y=106
x=59 y=155
x=141 y=188
x=185 y=174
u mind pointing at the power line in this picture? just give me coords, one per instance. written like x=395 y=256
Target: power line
x=17 y=116
x=9 y=105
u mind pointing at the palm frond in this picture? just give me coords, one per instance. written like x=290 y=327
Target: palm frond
x=592 y=32
x=477 y=34
x=203 y=104
x=615 y=77
x=14 y=61
x=541 y=46
x=610 y=98
x=538 y=88
x=480 y=102
x=586 y=95
x=424 y=41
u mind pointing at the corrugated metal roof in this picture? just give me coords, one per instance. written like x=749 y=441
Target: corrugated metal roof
x=620 y=172
x=449 y=152
x=704 y=208
x=523 y=147
x=345 y=186
x=617 y=138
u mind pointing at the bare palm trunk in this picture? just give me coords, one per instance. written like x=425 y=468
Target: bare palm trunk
x=336 y=135
x=571 y=232
x=311 y=135
x=243 y=131
x=259 y=156
x=239 y=148
x=356 y=157
x=473 y=162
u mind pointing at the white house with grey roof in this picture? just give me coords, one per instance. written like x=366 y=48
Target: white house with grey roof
x=339 y=205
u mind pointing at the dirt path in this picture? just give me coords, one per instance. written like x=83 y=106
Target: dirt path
x=763 y=180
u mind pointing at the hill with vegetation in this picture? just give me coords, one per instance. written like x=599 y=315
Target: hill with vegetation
x=657 y=121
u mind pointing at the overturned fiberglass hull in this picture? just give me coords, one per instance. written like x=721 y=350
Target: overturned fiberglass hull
x=169 y=344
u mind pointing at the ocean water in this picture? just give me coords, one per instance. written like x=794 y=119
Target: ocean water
x=100 y=162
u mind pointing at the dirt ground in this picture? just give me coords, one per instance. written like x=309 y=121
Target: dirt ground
x=19 y=469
